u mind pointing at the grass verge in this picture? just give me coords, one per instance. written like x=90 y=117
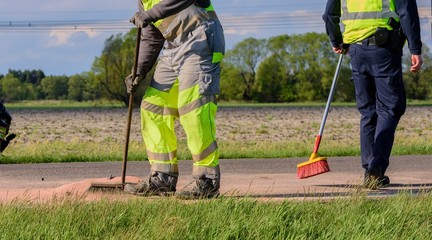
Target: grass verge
x=76 y=151
x=399 y=217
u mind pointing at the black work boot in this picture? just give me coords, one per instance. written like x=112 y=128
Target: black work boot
x=158 y=183
x=200 y=188
x=373 y=180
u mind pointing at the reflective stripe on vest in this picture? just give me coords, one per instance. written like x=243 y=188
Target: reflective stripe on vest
x=362 y=18
x=387 y=10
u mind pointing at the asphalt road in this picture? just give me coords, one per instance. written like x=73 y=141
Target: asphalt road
x=259 y=178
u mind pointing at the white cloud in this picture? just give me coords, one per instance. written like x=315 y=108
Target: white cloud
x=68 y=38
x=234 y=31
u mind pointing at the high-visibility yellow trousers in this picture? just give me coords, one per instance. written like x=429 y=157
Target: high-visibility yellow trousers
x=184 y=86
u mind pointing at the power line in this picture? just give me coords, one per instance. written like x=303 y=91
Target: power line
x=237 y=22
x=230 y=22
x=219 y=6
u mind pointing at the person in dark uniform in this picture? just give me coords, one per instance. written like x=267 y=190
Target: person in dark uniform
x=374 y=34
x=5 y=122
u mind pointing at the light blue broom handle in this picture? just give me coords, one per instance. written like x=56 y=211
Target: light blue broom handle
x=330 y=97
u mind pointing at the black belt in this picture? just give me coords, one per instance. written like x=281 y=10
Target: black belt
x=368 y=41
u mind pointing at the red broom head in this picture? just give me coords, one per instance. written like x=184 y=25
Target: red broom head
x=313 y=168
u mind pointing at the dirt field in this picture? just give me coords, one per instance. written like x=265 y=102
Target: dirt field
x=296 y=124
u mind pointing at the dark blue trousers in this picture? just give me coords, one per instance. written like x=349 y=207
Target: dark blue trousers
x=381 y=101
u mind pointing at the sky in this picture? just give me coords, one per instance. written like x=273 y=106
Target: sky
x=63 y=37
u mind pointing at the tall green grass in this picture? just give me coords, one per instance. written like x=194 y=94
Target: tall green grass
x=62 y=104
x=358 y=217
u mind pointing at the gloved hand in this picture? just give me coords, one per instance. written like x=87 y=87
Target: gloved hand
x=138 y=20
x=132 y=84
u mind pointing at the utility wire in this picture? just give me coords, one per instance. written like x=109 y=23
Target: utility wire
x=234 y=22
x=310 y=20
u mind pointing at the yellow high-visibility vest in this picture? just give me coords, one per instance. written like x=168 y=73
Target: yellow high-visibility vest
x=361 y=18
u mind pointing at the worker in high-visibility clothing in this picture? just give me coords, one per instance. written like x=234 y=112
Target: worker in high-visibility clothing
x=188 y=38
x=374 y=34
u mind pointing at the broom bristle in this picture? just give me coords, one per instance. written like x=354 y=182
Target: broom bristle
x=312 y=169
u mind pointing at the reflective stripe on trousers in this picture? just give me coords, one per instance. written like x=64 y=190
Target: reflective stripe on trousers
x=184 y=86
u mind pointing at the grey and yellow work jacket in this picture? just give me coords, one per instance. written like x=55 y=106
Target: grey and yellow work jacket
x=171 y=21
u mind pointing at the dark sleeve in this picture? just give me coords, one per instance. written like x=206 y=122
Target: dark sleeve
x=151 y=44
x=164 y=9
x=410 y=23
x=331 y=19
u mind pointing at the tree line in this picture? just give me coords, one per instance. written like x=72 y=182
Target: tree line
x=285 y=68
x=19 y=85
